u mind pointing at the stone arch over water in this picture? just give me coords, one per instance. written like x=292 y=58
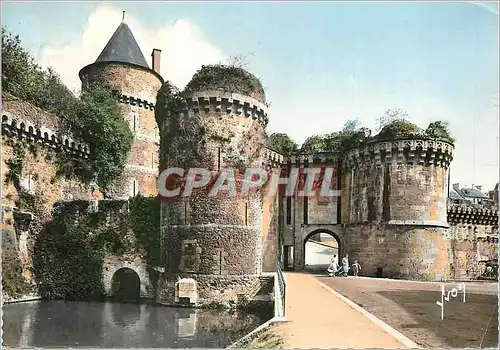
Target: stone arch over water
x=126 y=285
x=113 y=263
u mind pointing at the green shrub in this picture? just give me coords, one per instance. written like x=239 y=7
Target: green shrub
x=225 y=78
x=440 y=131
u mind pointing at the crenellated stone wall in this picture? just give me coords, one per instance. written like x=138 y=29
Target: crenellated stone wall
x=473 y=234
x=33 y=139
x=22 y=121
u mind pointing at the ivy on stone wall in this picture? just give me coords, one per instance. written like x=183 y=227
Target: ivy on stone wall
x=15 y=164
x=69 y=251
x=181 y=134
x=67 y=258
x=145 y=223
x=101 y=125
x=13 y=282
x=95 y=117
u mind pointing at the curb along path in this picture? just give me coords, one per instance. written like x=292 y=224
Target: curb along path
x=317 y=318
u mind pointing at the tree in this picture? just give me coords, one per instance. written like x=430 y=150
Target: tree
x=351 y=125
x=282 y=143
x=240 y=61
x=107 y=133
x=25 y=79
x=95 y=117
x=315 y=143
x=439 y=130
x=391 y=116
x=349 y=136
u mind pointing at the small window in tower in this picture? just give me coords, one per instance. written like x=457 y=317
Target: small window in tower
x=28 y=183
x=288 y=210
x=136 y=122
x=134 y=188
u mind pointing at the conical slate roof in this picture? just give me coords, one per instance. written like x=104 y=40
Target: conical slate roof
x=122 y=47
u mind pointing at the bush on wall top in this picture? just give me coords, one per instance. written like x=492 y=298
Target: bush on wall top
x=225 y=78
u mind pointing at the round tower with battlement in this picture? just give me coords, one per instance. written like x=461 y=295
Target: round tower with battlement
x=216 y=123
x=121 y=67
x=393 y=203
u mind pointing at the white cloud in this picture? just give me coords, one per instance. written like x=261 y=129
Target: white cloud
x=184 y=49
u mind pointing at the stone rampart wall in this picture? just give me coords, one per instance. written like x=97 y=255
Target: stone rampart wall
x=473 y=234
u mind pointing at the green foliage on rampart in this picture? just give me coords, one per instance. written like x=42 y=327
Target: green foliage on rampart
x=69 y=251
x=226 y=78
x=13 y=282
x=282 y=143
x=93 y=118
x=393 y=125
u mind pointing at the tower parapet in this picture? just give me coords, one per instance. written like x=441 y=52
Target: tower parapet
x=17 y=128
x=401 y=182
x=411 y=151
x=226 y=103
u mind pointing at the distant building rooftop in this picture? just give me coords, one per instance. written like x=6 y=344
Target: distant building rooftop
x=472 y=193
x=454 y=195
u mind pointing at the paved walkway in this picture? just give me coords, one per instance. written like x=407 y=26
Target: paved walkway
x=319 y=319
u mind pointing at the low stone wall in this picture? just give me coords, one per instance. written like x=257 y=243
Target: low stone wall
x=406 y=252
x=216 y=290
x=472 y=247
x=28 y=297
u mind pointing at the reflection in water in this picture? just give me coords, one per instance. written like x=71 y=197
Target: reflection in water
x=91 y=324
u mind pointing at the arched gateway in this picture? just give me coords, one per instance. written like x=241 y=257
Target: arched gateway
x=309 y=231
x=318 y=252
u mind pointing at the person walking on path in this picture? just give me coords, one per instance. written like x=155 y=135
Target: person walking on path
x=333 y=266
x=356 y=267
x=345 y=264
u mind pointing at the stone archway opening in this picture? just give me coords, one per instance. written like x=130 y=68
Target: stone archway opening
x=126 y=286
x=319 y=248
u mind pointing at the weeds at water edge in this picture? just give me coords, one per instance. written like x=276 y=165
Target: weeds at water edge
x=266 y=340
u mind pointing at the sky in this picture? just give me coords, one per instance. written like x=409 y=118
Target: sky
x=321 y=63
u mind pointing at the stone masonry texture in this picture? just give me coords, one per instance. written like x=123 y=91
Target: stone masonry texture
x=395 y=214
x=136 y=88
x=392 y=215
x=219 y=241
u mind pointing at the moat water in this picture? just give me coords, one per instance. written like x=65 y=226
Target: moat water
x=107 y=325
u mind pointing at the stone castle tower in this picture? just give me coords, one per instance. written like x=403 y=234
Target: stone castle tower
x=219 y=125
x=122 y=68
x=394 y=207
